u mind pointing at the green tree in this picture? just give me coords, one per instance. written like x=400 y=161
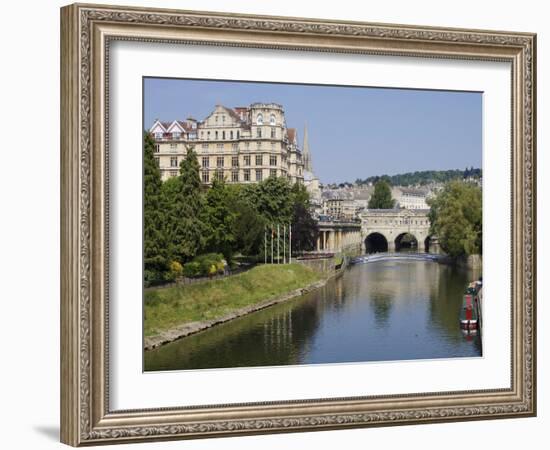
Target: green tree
x=456 y=218
x=381 y=198
x=300 y=194
x=305 y=230
x=220 y=220
x=271 y=198
x=170 y=192
x=248 y=228
x=154 y=242
x=185 y=214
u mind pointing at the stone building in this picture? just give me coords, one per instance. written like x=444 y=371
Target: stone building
x=242 y=144
x=410 y=198
x=340 y=204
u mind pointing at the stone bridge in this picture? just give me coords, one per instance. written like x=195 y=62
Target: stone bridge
x=380 y=230
x=389 y=230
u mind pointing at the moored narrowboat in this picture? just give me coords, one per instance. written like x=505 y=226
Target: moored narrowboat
x=469 y=314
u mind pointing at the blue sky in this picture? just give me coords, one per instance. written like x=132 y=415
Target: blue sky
x=354 y=132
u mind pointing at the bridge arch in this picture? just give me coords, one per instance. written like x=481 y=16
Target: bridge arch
x=431 y=244
x=406 y=240
x=427 y=242
x=376 y=243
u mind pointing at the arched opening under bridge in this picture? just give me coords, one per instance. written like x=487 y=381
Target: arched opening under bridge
x=376 y=243
x=427 y=242
x=406 y=242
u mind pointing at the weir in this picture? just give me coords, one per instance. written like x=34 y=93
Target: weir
x=376 y=257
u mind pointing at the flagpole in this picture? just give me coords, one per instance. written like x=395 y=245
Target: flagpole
x=289 y=243
x=284 y=243
x=272 y=232
x=278 y=245
x=265 y=244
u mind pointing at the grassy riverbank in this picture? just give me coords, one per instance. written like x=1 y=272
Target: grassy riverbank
x=166 y=308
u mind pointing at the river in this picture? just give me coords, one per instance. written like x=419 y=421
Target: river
x=380 y=311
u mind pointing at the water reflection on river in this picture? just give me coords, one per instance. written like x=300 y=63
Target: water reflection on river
x=374 y=312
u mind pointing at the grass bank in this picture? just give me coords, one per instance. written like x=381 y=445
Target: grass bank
x=169 y=307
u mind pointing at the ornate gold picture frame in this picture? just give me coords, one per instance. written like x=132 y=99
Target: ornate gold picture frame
x=87 y=32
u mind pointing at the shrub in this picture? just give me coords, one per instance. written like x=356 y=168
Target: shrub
x=168 y=277
x=220 y=267
x=205 y=265
x=176 y=269
x=192 y=269
x=212 y=270
x=152 y=277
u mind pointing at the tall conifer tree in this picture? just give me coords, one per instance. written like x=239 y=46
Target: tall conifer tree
x=154 y=243
x=220 y=220
x=186 y=229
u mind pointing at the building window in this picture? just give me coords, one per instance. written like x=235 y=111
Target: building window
x=219 y=175
x=157 y=148
x=205 y=177
x=247 y=145
x=174 y=161
x=158 y=136
x=235 y=176
x=234 y=161
x=173 y=147
x=173 y=173
x=223 y=134
x=272 y=119
x=259 y=160
x=246 y=174
x=259 y=119
x=235 y=147
x=258 y=175
x=223 y=119
x=205 y=161
x=202 y=134
x=157 y=160
x=273 y=135
x=208 y=135
x=219 y=161
x=273 y=173
x=205 y=146
x=220 y=146
x=231 y=134
x=272 y=160
x=176 y=135
x=216 y=119
x=258 y=132
x=238 y=134
x=247 y=160
x=259 y=145
x=216 y=134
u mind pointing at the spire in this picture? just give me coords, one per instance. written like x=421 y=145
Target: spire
x=306 y=155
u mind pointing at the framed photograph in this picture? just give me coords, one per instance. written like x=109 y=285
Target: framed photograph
x=275 y=224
